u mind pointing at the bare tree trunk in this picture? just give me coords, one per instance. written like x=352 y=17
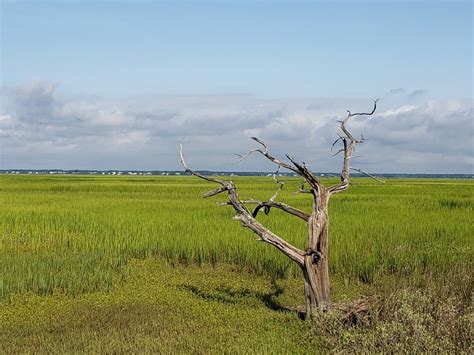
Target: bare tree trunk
x=316 y=265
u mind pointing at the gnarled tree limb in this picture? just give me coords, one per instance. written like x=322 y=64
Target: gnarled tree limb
x=246 y=217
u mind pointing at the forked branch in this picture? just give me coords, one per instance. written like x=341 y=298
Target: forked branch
x=349 y=143
x=279 y=205
x=350 y=115
x=267 y=155
x=300 y=169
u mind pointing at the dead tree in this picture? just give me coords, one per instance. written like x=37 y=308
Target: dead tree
x=313 y=260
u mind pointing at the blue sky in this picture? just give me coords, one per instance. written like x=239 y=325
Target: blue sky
x=263 y=48
x=92 y=59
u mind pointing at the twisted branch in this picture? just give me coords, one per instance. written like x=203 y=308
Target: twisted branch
x=244 y=216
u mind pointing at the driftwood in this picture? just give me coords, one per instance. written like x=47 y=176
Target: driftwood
x=313 y=260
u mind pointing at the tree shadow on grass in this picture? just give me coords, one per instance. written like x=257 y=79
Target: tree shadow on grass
x=243 y=295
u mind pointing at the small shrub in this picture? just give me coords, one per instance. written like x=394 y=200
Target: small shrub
x=408 y=320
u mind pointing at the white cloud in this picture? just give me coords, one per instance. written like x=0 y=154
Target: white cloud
x=398 y=111
x=39 y=128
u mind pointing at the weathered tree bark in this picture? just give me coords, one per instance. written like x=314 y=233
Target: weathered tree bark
x=314 y=260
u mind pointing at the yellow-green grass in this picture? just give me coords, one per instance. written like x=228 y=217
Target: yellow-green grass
x=75 y=234
x=219 y=309
x=159 y=309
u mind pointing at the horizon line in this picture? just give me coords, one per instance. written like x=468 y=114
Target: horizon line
x=183 y=172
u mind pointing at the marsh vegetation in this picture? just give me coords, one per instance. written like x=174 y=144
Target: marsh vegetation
x=91 y=259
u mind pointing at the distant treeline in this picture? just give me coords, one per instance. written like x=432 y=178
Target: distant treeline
x=222 y=173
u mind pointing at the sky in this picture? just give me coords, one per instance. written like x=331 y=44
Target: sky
x=119 y=84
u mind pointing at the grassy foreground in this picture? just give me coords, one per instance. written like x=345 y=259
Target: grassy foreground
x=159 y=308
x=112 y=265
x=218 y=309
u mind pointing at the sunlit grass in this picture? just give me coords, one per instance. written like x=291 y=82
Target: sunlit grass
x=75 y=234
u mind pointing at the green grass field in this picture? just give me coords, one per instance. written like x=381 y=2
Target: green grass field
x=121 y=263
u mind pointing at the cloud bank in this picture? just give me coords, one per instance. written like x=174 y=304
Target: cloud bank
x=40 y=128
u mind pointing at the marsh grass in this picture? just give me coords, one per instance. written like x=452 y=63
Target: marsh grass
x=121 y=264
x=160 y=309
x=220 y=309
x=75 y=234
